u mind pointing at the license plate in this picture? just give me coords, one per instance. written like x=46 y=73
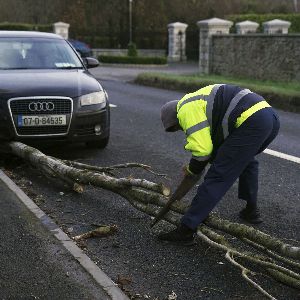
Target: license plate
x=45 y=120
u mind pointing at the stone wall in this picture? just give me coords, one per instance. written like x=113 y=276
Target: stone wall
x=258 y=56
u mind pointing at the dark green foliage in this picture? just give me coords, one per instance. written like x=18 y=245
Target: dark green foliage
x=132 y=52
x=143 y=60
x=26 y=27
x=105 y=24
x=293 y=18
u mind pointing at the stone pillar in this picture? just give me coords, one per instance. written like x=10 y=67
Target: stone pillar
x=276 y=26
x=177 y=41
x=246 y=27
x=61 y=29
x=208 y=28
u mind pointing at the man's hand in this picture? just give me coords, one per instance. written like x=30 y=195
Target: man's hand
x=186 y=171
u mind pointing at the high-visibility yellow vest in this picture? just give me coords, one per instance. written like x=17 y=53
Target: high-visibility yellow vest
x=195 y=113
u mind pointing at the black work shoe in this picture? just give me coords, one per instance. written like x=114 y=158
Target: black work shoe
x=181 y=235
x=251 y=215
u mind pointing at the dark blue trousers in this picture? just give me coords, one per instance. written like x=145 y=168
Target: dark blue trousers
x=234 y=159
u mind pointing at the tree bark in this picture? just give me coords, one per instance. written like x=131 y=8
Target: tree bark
x=278 y=260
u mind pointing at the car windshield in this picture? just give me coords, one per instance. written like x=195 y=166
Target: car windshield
x=37 y=53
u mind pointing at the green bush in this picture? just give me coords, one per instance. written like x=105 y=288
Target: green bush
x=45 y=27
x=143 y=60
x=26 y=27
x=132 y=52
x=293 y=18
x=280 y=95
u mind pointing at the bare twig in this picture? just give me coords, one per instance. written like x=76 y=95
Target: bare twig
x=111 y=168
x=245 y=273
x=272 y=254
x=212 y=289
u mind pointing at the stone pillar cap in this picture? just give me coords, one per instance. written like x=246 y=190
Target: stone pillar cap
x=178 y=24
x=247 y=23
x=277 y=22
x=61 y=24
x=214 y=22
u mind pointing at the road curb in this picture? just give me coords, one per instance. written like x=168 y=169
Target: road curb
x=99 y=276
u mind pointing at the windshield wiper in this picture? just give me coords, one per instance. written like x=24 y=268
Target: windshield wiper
x=69 y=68
x=14 y=68
x=32 y=68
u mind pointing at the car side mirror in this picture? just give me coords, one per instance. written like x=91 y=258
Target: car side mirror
x=90 y=62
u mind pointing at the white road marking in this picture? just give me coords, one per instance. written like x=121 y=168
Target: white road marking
x=112 y=105
x=283 y=155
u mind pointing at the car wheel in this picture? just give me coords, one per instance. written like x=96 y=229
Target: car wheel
x=100 y=144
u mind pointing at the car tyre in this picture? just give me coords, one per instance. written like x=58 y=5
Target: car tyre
x=100 y=144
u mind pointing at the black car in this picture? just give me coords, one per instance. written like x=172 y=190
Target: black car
x=82 y=48
x=47 y=92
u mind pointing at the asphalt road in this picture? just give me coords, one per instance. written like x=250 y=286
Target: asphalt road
x=156 y=269
x=33 y=264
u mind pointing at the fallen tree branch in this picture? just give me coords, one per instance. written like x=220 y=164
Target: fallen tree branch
x=261 y=261
x=56 y=167
x=245 y=273
x=252 y=234
x=101 y=231
x=279 y=261
x=272 y=254
x=223 y=244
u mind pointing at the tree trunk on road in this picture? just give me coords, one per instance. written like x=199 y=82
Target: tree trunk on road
x=273 y=257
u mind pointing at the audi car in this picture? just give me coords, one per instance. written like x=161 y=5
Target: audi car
x=47 y=92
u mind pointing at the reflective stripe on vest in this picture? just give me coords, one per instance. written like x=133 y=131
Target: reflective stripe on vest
x=194 y=98
x=210 y=103
x=250 y=111
x=235 y=100
x=208 y=98
x=197 y=127
x=190 y=131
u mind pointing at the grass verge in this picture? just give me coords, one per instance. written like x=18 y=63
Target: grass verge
x=281 y=95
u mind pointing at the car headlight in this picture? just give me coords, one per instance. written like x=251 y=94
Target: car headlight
x=93 y=98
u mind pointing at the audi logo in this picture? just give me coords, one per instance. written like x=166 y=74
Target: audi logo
x=41 y=106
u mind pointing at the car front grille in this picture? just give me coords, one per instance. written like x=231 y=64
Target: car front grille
x=21 y=107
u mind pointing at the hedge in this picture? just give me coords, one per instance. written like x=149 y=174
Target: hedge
x=26 y=27
x=143 y=60
x=293 y=18
x=289 y=101
x=132 y=51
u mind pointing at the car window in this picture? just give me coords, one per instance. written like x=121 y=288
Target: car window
x=37 y=53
